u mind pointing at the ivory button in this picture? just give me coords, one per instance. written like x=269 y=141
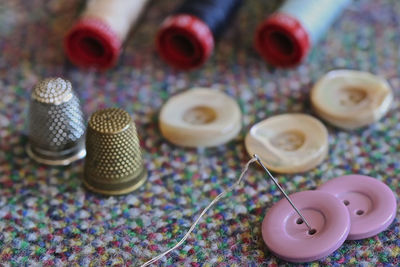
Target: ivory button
x=200 y=117
x=351 y=99
x=371 y=203
x=289 y=143
x=287 y=236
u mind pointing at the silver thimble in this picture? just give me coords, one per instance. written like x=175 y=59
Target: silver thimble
x=56 y=125
x=113 y=165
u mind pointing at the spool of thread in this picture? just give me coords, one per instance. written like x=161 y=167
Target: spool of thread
x=96 y=38
x=186 y=39
x=285 y=38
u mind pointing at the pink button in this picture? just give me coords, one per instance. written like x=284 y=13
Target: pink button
x=288 y=237
x=371 y=203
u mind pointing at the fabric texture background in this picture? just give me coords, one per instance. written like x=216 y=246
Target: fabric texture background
x=48 y=219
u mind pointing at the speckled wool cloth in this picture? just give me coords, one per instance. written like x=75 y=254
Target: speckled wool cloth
x=48 y=219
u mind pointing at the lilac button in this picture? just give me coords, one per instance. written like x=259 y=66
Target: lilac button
x=371 y=203
x=287 y=236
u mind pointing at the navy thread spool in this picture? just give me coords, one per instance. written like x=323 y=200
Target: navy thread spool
x=285 y=37
x=186 y=38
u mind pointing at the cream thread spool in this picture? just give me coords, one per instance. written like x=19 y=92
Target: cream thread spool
x=97 y=37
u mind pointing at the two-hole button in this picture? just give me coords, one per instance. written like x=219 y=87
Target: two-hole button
x=349 y=207
x=371 y=204
x=287 y=236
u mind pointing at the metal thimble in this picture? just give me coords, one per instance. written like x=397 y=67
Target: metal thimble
x=113 y=165
x=56 y=124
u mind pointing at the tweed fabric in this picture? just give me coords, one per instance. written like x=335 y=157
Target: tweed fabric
x=48 y=219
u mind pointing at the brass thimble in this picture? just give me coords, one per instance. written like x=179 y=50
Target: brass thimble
x=113 y=164
x=56 y=125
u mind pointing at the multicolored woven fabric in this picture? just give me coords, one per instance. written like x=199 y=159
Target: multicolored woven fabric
x=48 y=219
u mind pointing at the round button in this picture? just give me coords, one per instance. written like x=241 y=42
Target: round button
x=351 y=99
x=289 y=143
x=287 y=236
x=371 y=203
x=200 y=117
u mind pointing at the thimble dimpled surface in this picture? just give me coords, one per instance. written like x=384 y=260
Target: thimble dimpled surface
x=53 y=91
x=56 y=124
x=113 y=163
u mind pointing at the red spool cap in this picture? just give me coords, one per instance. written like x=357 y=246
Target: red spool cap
x=184 y=41
x=282 y=41
x=91 y=43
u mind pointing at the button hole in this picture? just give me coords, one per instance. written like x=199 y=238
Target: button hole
x=312 y=232
x=359 y=212
x=346 y=202
x=299 y=221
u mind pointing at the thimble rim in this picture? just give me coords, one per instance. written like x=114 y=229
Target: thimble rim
x=142 y=177
x=79 y=154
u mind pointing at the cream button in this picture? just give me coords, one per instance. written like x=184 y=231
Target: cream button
x=289 y=143
x=200 y=117
x=351 y=99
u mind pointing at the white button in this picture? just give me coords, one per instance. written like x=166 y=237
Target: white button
x=289 y=143
x=351 y=99
x=200 y=117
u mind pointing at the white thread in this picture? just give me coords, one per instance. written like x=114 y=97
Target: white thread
x=221 y=195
